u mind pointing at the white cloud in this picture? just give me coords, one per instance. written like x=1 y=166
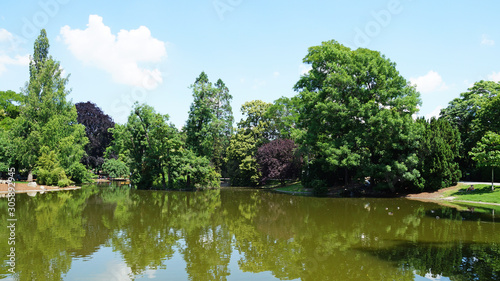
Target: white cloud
x=5 y=58
x=434 y=113
x=150 y=273
x=431 y=82
x=5 y=35
x=121 y=54
x=304 y=69
x=276 y=74
x=17 y=60
x=494 y=76
x=486 y=41
x=115 y=271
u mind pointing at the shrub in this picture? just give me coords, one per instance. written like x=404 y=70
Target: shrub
x=319 y=187
x=49 y=170
x=115 y=168
x=48 y=177
x=211 y=179
x=201 y=174
x=78 y=173
x=64 y=182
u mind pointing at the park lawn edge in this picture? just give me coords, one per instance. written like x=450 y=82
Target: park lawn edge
x=459 y=195
x=293 y=187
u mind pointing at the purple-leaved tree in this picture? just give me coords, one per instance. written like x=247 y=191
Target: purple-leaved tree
x=96 y=126
x=279 y=160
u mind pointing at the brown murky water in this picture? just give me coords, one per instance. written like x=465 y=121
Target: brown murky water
x=114 y=233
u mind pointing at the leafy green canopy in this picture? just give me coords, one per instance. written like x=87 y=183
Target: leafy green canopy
x=49 y=170
x=156 y=154
x=46 y=118
x=9 y=110
x=257 y=122
x=243 y=168
x=439 y=150
x=283 y=115
x=487 y=152
x=115 y=168
x=474 y=113
x=262 y=123
x=210 y=122
x=357 y=115
x=254 y=130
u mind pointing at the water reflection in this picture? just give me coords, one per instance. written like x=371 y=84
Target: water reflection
x=224 y=234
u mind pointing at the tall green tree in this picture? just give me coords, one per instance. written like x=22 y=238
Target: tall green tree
x=115 y=168
x=357 y=115
x=149 y=140
x=439 y=153
x=488 y=115
x=243 y=168
x=9 y=110
x=466 y=114
x=257 y=122
x=284 y=116
x=5 y=153
x=156 y=154
x=210 y=122
x=254 y=130
x=487 y=153
x=10 y=102
x=46 y=118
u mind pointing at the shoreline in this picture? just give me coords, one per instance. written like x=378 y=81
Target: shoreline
x=24 y=188
x=450 y=200
x=440 y=196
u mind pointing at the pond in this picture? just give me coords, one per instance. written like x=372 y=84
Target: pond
x=115 y=233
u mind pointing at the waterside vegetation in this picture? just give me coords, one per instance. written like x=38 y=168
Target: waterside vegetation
x=351 y=124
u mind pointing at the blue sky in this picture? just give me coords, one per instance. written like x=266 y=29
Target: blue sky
x=118 y=52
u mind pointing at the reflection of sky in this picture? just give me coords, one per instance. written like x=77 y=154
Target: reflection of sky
x=103 y=265
x=429 y=276
x=239 y=275
x=107 y=265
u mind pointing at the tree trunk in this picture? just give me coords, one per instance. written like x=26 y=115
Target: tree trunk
x=492 y=178
x=170 y=178
x=163 y=180
x=30 y=176
x=345 y=177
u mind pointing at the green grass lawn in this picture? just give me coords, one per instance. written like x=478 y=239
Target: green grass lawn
x=481 y=193
x=294 y=187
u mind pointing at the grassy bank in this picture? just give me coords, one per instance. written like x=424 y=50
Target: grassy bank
x=481 y=193
x=292 y=187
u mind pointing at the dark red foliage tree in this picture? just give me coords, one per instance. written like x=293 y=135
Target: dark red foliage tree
x=96 y=126
x=279 y=160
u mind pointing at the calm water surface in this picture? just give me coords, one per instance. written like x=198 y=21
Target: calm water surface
x=120 y=234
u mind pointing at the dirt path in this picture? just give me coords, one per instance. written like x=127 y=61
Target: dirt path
x=436 y=195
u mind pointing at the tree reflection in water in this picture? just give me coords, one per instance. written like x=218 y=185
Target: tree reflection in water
x=291 y=237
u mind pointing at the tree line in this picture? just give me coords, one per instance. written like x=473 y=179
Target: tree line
x=351 y=123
